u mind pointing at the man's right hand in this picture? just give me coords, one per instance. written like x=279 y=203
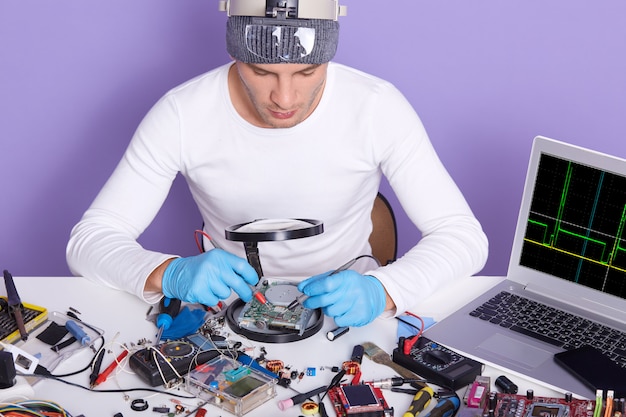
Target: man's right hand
x=208 y=278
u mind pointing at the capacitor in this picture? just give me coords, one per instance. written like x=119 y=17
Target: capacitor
x=530 y=394
x=334 y=334
x=506 y=385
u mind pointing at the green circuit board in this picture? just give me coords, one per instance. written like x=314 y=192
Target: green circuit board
x=275 y=315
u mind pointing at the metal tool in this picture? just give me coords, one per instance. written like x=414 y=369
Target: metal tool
x=378 y=355
x=168 y=310
x=15 y=304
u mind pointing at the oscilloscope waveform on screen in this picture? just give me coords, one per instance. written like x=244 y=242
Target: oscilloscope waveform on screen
x=576 y=224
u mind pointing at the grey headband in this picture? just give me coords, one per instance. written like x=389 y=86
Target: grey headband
x=258 y=40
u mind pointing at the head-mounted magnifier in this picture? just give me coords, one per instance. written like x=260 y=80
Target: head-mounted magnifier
x=282 y=31
x=291 y=9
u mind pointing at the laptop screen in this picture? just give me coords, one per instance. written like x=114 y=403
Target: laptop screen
x=570 y=242
x=575 y=225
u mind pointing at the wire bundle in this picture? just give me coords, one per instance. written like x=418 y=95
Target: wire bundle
x=34 y=408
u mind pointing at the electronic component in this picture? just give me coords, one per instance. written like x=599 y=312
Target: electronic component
x=438 y=364
x=230 y=385
x=274 y=322
x=170 y=360
x=506 y=385
x=476 y=394
x=530 y=406
x=275 y=314
x=335 y=333
x=362 y=400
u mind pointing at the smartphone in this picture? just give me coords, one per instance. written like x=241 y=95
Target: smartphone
x=594 y=369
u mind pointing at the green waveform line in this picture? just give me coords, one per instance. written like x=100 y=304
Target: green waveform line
x=550 y=240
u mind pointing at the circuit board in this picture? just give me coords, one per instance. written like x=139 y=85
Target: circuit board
x=275 y=315
x=361 y=400
x=514 y=405
x=230 y=385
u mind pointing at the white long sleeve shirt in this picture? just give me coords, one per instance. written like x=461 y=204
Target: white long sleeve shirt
x=326 y=168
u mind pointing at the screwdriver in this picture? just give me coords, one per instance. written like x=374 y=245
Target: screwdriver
x=420 y=401
x=445 y=407
x=168 y=310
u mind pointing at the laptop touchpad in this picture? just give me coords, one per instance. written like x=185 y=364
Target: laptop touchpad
x=514 y=351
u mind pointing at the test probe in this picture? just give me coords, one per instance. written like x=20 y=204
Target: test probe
x=387 y=383
x=303 y=297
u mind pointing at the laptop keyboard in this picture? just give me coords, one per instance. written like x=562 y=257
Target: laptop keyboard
x=552 y=325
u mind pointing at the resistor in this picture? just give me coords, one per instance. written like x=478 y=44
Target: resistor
x=300 y=376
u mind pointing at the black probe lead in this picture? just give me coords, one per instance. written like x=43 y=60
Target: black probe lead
x=95 y=369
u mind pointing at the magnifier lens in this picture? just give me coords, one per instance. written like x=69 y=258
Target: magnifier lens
x=287 y=43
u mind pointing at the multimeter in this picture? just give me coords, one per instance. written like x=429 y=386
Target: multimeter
x=438 y=364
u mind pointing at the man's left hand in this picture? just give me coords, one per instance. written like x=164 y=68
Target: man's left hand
x=350 y=298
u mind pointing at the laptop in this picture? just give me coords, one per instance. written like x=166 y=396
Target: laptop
x=569 y=253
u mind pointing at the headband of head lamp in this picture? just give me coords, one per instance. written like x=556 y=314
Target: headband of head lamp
x=282 y=31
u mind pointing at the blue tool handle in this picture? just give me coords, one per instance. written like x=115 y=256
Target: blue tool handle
x=77 y=332
x=445 y=407
x=168 y=310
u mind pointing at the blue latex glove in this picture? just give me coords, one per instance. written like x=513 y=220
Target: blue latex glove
x=208 y=278
x=186 y=322
x=350 y=298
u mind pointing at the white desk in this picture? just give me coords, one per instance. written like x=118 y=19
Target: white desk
x=124 y=315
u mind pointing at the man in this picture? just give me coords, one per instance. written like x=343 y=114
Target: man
x=282 y=133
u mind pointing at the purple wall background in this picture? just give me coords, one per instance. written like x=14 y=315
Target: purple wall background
x=486 y=76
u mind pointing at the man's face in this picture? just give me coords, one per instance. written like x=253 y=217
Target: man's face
x=276 y=95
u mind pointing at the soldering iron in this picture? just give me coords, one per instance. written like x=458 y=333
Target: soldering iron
x=387 y=383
